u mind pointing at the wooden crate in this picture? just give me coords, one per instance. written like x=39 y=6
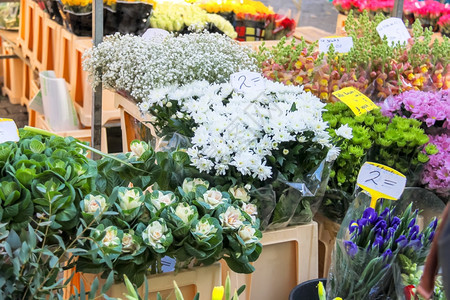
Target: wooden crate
x=196 y=280
x=81 y=92
x=50 y=44
x=327 y=238
x=83 y=134
x=289 y=257
x=134 y=125
x=26 y=27
x=37 y=54
x=12 y=74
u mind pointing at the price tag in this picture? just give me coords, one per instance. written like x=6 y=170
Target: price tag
x=168 y=264
x=395 y=31
x=381 y=182
x=155 y=34
x=8 y=131
x=341 y=44
x=246 y=81
x=357 y=101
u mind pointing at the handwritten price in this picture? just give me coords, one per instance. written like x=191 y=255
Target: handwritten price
x=246 y=81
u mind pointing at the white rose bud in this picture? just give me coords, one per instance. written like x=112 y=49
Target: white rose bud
x=239 y=193
x=127 y=243
x=250 y=209
x=231 y=218
x=213 y=198
x=94 y=203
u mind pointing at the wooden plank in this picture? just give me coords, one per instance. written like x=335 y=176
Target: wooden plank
x=310 y=34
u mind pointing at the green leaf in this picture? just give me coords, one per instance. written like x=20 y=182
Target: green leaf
x=130 y=288
x=94 y=288
x=36 y=146
x=241 y=289
x=109 y=282
x=238 y=266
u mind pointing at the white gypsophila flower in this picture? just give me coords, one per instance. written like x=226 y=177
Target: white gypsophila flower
x=141 y=67
x=345 y=131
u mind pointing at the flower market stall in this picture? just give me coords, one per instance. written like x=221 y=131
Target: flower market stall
x=241 y=159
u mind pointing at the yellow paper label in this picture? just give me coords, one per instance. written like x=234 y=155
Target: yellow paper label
x=357 y=101
x=381 y=181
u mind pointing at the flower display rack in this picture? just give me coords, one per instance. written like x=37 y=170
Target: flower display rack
x=12 y=73
x=289 y=253
x=134 y=125
x=191 y=281
x=327 y=238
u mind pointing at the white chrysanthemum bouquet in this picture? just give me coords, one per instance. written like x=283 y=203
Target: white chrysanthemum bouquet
x=276 y=137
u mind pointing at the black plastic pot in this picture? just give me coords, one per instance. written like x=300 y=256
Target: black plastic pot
x=132 y=17
x=307 y=290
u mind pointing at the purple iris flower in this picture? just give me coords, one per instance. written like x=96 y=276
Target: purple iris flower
x=431 y=237
x=385 y=213
x=395 y=222
x=415 y=244
x=353 y=226
x=363 y=222
x=390 y=233
x=371 y=215
x=433 y=224
x=387 y=254
x=401 y=241
x=411 y=224
x=378 y=241
x=414 y=231
x=351 y=248
x=381 y=224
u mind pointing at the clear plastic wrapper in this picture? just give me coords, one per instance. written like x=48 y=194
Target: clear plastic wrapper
x=292 y=203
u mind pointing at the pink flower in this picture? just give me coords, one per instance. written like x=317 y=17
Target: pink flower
x=436 y=172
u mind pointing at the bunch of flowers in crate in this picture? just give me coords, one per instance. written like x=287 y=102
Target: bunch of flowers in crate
x=137 y=66
x=372 y=66
x=379 y=252
x=274 y=139
x=429 y=12
x=180 y=17
x=399 y=143
x=432 y=110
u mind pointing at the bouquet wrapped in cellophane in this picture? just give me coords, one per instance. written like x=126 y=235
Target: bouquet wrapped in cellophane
x=379 y=251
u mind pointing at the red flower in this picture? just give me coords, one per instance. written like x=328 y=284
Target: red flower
x=409 y=291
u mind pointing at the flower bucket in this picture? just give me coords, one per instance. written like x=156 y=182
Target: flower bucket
x=79 y=24
x=307 y=290
x=53 y=11
x=249 y=30
x=109 y=21
x=132 y=17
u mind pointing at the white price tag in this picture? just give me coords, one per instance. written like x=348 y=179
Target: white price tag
x=246 y=81
x=341 y=44
x=155 y=34
x=395 y=31
x=8 y=131
x=381 y=181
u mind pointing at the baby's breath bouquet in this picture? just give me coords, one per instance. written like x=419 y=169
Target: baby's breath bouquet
x=137 y=66
x=275 y=139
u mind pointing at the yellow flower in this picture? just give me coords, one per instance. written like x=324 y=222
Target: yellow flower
x=217 y=293
x=322 y=293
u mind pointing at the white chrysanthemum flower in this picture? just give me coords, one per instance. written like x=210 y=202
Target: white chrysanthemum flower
x=345 y=131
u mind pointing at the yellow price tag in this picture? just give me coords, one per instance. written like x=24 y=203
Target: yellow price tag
x=381 y=181
x=357 y=101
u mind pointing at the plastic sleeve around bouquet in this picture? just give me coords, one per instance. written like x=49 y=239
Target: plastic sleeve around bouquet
x=292 y=203
x=371 y=273
x=353 y=269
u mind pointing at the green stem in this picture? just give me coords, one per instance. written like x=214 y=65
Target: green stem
x=39 y=131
